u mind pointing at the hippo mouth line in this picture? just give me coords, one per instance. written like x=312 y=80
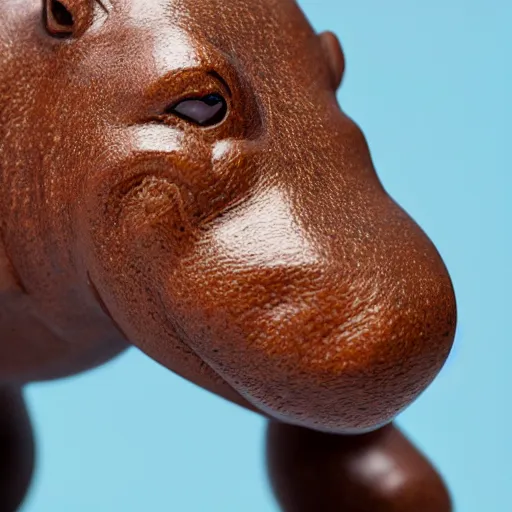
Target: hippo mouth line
x=206 y=369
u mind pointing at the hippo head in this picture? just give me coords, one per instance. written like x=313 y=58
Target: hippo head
x=185 y=164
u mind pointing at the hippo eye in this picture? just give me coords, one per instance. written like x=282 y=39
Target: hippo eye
x=205 y=111
x=59 y=20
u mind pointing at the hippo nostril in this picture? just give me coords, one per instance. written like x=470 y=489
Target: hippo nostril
x=60 y=14
x=58 y=19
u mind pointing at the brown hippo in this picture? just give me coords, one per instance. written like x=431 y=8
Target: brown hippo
x=177 y=175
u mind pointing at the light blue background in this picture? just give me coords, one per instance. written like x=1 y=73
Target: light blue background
x=430 y=83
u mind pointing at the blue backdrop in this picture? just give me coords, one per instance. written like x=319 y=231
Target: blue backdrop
x=430 y=84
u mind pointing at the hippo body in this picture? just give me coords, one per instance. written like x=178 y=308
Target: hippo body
x=179 y=176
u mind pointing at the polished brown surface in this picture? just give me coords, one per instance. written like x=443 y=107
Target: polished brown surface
x=376 y=472
x=178 y=175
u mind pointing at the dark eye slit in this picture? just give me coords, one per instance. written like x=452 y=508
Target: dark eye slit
x=204 y=111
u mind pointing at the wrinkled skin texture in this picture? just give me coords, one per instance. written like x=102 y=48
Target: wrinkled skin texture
x=259 y=257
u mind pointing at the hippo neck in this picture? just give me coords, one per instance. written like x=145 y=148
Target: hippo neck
x=45 y=341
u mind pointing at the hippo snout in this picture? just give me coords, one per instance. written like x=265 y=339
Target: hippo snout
x=312 y=298
x=320 y=331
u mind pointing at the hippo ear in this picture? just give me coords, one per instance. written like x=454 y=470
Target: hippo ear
x=67 y=18
x=334 y=56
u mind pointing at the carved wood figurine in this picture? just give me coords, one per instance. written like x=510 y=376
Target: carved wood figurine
x=178 y=175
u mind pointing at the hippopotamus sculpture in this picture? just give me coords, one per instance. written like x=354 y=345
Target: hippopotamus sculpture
x=177 y=175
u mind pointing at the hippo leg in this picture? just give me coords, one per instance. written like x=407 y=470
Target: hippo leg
x=382 y=471
x=16 y=449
